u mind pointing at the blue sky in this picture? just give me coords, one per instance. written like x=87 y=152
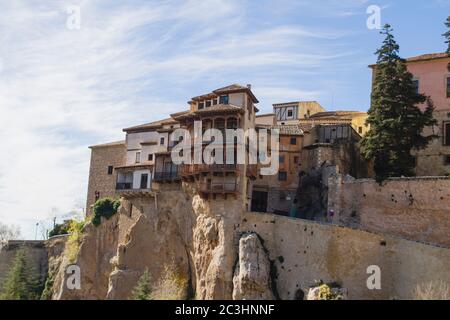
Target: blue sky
x=132 y=62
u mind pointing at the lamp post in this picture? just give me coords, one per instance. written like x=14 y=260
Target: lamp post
x=35 y=234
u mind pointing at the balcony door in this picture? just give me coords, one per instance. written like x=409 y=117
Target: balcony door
x=144 y=181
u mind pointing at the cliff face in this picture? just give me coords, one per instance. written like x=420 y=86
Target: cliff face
x=194 y=248
x=195 y=239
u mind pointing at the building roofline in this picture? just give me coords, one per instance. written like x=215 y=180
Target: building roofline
x=422 y=58
x=108 y=144
x=293 y=102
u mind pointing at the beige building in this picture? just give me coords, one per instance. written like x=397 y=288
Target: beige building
x=105 y=158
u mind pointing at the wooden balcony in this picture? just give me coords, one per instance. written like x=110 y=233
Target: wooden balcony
x=196 y=169
x=218 y=188
x=172 y=176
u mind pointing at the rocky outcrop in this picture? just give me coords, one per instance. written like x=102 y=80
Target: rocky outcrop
x=98 y=247
x=252 y=273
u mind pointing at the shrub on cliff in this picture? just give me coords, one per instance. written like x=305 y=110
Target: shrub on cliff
x=106 y=208
x=60 y=229
x=22 y=282
x=74 y=241
x=143 y=289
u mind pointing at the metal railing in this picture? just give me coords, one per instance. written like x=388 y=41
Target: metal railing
x=124 y=186
x=166 y=176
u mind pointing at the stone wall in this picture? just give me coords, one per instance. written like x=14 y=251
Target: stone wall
x=100 y=180
x=412 y=208
x=304 y=251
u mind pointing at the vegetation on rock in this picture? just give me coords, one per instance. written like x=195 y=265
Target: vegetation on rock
x=143 y=289
x=106 y=208
x=171 y=286
x=60 y=229
x=433 y=291
x=74 y=240
x=22 y=282
x=395 y=119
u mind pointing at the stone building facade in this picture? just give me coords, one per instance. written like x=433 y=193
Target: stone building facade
x=105 y=158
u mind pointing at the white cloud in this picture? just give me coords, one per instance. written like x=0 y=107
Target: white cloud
x=132 y=62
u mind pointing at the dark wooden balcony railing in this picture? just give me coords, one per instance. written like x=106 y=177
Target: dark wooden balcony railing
x=191 y=169
x=226 y=187
x=166 y=176
x=124 y=186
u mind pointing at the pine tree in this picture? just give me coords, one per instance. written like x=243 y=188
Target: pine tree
x=21 y=282
x=396 y=120
x=143 y=289
x=447 y=35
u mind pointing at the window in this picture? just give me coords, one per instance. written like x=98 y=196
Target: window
x=296 y=160
x=214 y=102
x=447 y=160
x=150 y=157
x=293 y=141
x=290 y=113
x=446 y=133
x=360 y=130
x=448 y=87
x=201 y=105
x=138 y=157
x=110 y=170
x=208 y=104
x=281 y=159
x=282 y=176
x=161 y=141
x=416 y=86
x=223 y=99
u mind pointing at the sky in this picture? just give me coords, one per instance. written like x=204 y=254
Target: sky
x=68 y=83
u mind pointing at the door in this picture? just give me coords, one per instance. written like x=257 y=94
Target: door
x=259 y=201
x=144 y=181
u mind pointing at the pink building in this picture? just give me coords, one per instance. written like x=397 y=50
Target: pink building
x=432 y=77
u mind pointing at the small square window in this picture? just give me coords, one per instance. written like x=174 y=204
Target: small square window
x=161 y=141
x=281 y=159
x=208 y=104
x=110 y=170
x=138 y=157
x=360 y=130
x=282 y=176
x=290 y=113
x=201 y=105
x=293 y=141
x=150 y=157
x=214 y=102
x=223 y=99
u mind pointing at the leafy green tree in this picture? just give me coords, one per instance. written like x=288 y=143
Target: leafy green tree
x=396 y=121
x=22 y=282
x=447 y=35
x=143 y=289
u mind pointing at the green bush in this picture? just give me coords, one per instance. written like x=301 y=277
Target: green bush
x=74 y=241
x=106 y=208
x=60 y=229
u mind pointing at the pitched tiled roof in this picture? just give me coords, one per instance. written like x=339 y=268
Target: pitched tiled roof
x=234 y=88
x=287 y=130
x=151 y=125
x=336 y=114
x=109 y=144
x=220 y=108
x=423 y=57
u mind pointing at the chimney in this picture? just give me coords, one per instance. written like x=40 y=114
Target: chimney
x=249 y=86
